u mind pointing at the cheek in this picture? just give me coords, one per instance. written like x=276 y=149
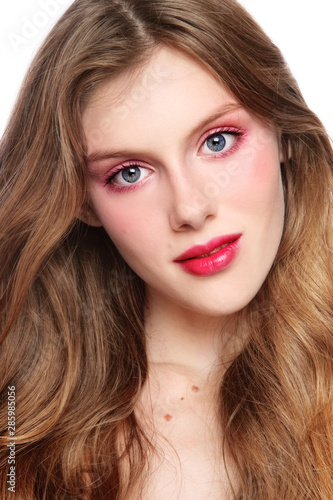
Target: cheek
x=257 y=187
x=127 y=226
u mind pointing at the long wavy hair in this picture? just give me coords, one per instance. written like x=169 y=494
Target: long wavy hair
x=71 y=310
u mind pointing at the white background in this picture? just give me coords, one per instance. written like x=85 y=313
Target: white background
x=302 y=29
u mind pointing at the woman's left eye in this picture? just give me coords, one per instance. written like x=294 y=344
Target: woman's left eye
x=219 y=142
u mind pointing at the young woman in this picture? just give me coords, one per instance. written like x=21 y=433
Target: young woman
x=166 y=270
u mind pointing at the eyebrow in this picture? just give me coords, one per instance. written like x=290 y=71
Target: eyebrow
x=99 y=155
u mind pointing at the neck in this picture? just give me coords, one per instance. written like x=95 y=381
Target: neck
x=182 y=337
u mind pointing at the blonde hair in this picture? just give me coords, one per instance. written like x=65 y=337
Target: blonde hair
x=72 y=322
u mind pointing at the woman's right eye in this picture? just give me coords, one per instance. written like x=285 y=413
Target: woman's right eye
x=127 y=175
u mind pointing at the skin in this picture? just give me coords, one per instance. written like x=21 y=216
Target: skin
x=186 y=196
x=159 y=118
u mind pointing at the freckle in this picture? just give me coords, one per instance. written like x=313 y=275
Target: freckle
x=195 y=388
x=182 y=399
x=167 y=417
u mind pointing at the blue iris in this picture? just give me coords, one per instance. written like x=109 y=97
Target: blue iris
x=131 y=174
x=216 y=143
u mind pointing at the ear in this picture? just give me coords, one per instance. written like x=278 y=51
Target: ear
x=88 y=216
x=281 y=154
x=283 y=150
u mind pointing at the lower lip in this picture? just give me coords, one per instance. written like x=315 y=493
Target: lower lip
x=212 y=264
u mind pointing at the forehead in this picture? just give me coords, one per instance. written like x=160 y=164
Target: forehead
x=162 y=71
x=170 y=86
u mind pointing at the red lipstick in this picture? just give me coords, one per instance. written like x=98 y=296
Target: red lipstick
x=211 y=258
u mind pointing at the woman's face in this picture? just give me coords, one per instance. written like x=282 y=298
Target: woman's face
x=186 y=183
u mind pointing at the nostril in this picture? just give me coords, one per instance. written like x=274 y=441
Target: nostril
x=189 y=215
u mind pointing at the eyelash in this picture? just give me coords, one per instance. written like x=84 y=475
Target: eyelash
x=237 y=133
x=112 y=175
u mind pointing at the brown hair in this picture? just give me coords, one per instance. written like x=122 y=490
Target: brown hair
x=71 y=309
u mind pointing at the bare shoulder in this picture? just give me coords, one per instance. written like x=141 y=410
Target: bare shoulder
x=178 y=410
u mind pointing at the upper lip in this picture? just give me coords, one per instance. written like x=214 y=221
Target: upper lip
x=206 y=248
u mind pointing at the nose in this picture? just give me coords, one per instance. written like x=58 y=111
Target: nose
x=192 y=203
